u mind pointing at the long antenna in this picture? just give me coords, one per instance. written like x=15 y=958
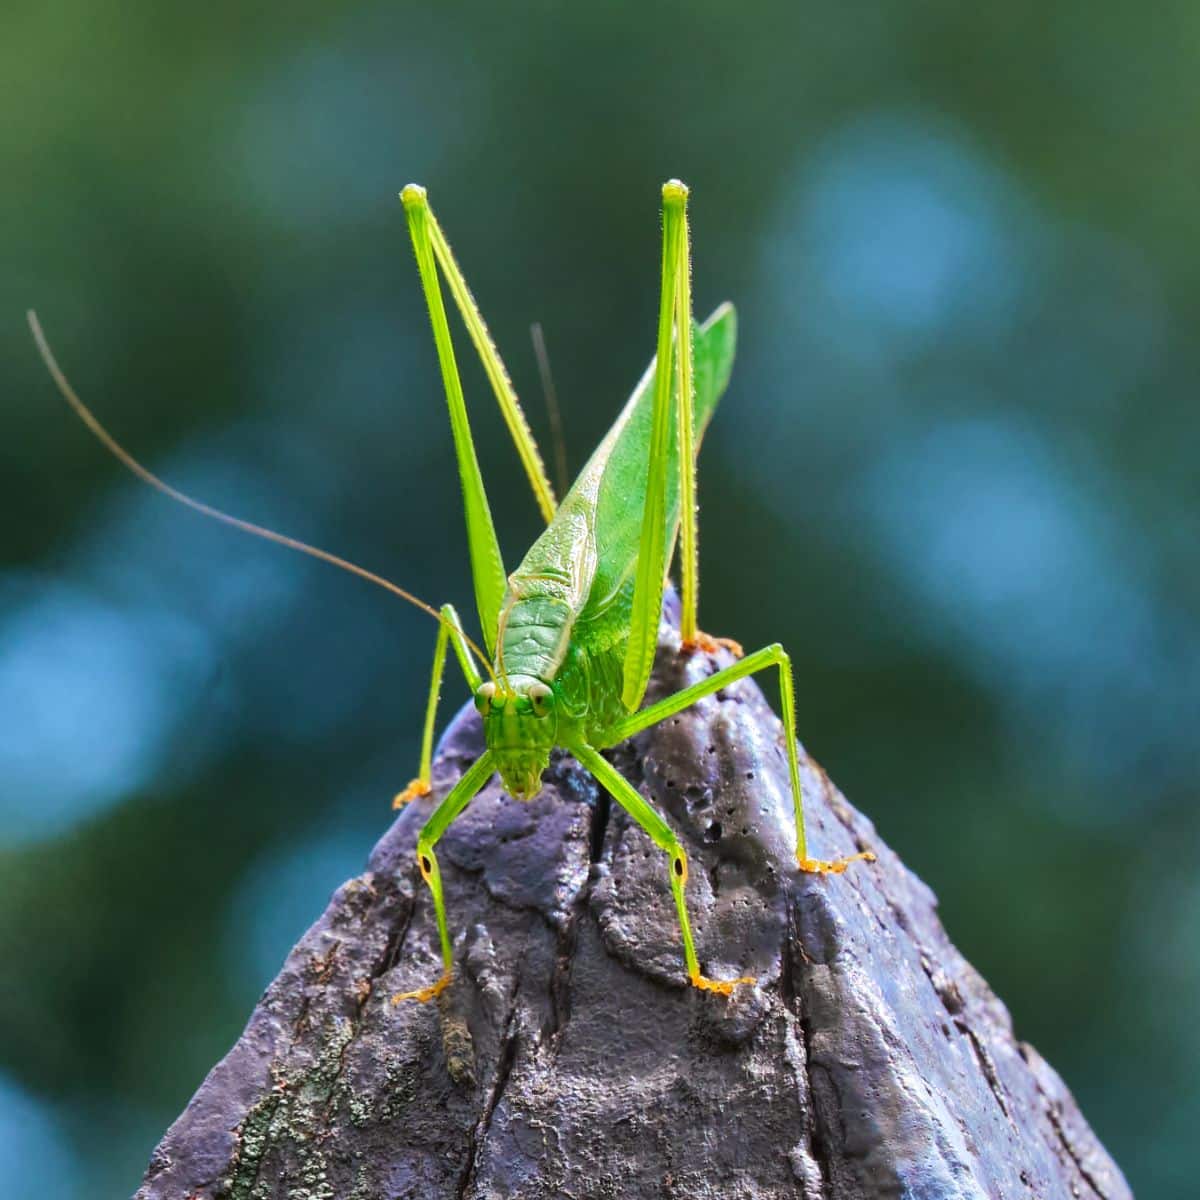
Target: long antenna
x=551 y=394
x=126 y=459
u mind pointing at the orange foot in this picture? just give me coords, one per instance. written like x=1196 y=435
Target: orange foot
x=416 y=788
x=427 y=993
x=723 y=987
x=818 y=866
x=710 y=645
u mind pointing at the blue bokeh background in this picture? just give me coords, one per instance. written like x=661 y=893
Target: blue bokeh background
x=956 y=474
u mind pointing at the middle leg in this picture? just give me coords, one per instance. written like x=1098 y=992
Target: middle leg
x=769 y=656
x=449 y=628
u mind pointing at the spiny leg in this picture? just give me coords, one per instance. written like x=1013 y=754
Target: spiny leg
x=689 y=533
x=686 y=422
x=673 y=364
x=463 y=792
x=510 y=407
x=654 y=546
x=769 y=656
x=449 y=628
x=487 y=565
x=662 y=835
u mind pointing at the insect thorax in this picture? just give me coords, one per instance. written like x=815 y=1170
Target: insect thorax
x=534 y=634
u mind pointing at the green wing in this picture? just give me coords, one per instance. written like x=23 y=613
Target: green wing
x=590 y=548
x=618 y=469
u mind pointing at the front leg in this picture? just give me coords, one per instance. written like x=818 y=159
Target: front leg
x=463 y=792
x=664 y=837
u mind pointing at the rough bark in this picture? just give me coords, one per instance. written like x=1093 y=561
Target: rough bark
x=570 y=1059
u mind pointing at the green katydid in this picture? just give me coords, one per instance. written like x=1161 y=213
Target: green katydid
x=571 y=634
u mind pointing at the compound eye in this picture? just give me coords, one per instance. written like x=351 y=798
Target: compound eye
x=484 y=695
x=541 y=699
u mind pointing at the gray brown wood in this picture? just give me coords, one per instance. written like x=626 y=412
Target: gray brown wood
x=569 y=1058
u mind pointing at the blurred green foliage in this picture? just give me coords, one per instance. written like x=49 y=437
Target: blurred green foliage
x=955 y=474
